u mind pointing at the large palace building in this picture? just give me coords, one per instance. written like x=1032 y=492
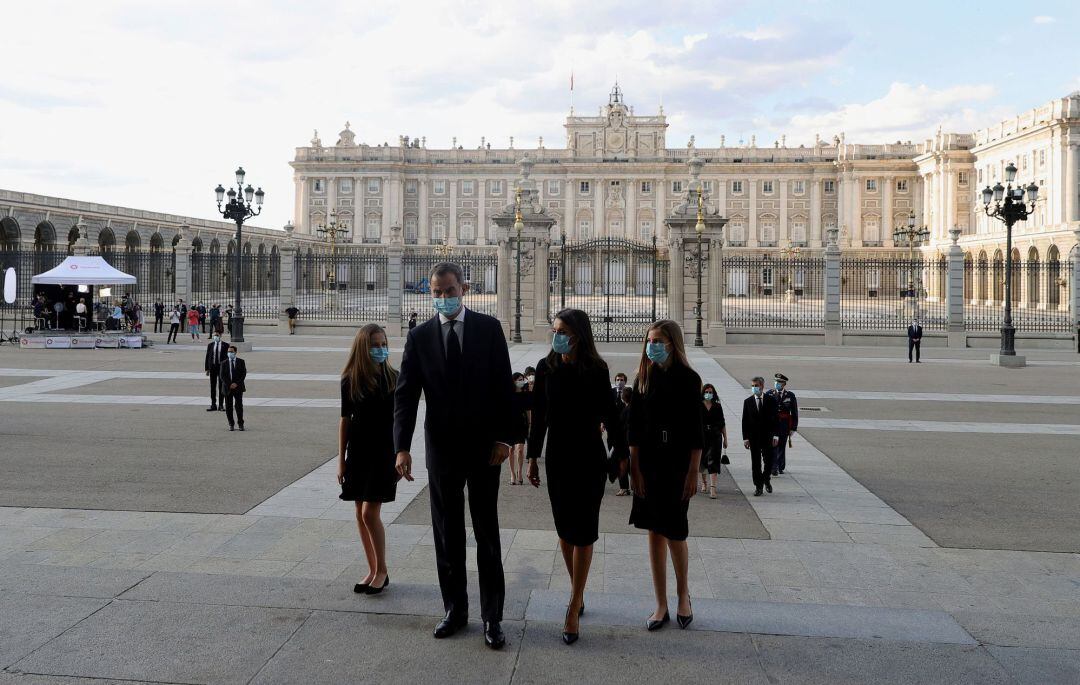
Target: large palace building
x=618 y=177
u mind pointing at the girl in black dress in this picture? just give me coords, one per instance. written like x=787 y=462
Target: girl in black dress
x=712 y=415
x=666 y=439
x=572 y=400
x=522 y=400
x=366 y=457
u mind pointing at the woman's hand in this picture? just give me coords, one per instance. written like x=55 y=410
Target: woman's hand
x=404 y=466
x=534 y=473
x=341 y=472
x=637 y=481
x=689 y=485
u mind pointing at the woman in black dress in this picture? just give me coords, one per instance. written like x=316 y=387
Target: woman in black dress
x=572 y=400
x=366 y=457
x=712 y=415
x=666 y=438
x=522 y=401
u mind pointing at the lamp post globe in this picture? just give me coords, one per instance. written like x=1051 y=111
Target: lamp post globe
x=239 y=209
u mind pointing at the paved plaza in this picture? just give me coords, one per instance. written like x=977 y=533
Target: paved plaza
x=927 y=530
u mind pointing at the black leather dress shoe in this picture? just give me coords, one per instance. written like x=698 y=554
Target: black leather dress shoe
x=768 y=486
x=493 y=635
x=212 y=408
x=757 y=493
x=232 y=428
x=449 y=625
x=242 y=428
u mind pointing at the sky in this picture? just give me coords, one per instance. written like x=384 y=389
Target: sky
x=152 y=104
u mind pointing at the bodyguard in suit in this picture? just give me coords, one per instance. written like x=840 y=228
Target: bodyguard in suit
x=914 y=340
x=216 y=352
x=759 y=431
x=233 y=373
x=787 y=407
x=460 y=361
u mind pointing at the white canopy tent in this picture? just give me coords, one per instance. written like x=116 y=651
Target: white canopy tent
x=84 y=271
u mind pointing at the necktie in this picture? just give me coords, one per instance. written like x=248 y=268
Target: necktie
x=453 y=353
x=758 y=400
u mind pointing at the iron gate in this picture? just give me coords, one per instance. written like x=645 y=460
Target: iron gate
x=621 y=284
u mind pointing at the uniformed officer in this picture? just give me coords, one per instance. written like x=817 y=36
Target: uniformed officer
x=788 y=420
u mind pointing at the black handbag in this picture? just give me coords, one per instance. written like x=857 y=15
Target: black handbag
x=723 y=458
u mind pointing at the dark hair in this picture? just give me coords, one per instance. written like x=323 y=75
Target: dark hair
x=517 y=375
x=232 y=347
x=625 y=377
x=707 y=387
x=584 y=351
x=529 y=369
x=444 y=268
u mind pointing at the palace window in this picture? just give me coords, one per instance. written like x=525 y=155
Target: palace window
x=737 y=232
x=496 y=188
x=345 y=185
x=410 y=229
x=373 y=186
x=584 y=188
x=645 y=229
x=553 y=187
x=373 y=230
x=901 y=185
x=798 y=187
x=438 y=229
x=871 y=185
x=318 y=186
x=798 y=233
x=962 y=178
x=1042 y=157
x=830 y=186
x=439 y=187
x=410 y=187
x=585 y=229
x=467 y=230
x=676 y=186
x=707 y=186
x=1024 y=162
x=767 y=187
x=615 y=183
x=646 y=187
x=736 y=187
x=768 y=233
x=466 y=187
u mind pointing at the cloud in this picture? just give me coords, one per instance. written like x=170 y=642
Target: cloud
x=1044 y=19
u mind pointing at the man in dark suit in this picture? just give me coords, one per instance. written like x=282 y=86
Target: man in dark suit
x=233 y=373
x=216 y=352
x=759 y=432
x=620 y=383
x=460 y=361
x=914 y=340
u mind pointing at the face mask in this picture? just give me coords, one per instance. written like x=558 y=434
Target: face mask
x=521 y=384
x=380 y=354
x=708 y=396
x=656 y=352
x=446 y=305
x=778 y=386
x=217 y=338
x=530 y=378
x=756 y=389
x=232 y=356
x=561 y=343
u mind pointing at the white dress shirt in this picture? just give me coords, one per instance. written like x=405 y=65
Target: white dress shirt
x=444 y=323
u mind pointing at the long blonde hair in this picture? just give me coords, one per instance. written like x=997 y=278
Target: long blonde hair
x=678 y=352
x=361 y=370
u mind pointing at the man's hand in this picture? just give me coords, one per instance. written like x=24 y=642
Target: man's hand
x=207 y=372
x=534 y=473
x=403 y=466
x=689 y=485
x=500 y=452
x=746 y=444
x=232 y=386
x=775 y=441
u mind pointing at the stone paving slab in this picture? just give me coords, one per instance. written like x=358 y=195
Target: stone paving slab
x=160 y=641
x=67 y=581
x=1031 y=665
x=29 y=621
x=1018 y=630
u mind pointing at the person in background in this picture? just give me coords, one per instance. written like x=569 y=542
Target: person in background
x=228 y=318
x=366 y=470
x=216 y=352
x=530 y=376
x=215 y=319
x=118 y=316
x=666 y=439
x=80 y=313
x=521 y=404
x=787 y=409
x=233 y=374
x=138 y=317
x=183 y=311
x=202 y=316
x=624 y=416
x=620 y=384
x=291 y=312
x=174 y=325
x=412 y=320
x=159 y=316
x=193 y=323
x=573 y=400
x=712 y=415
x=914 y=340
x=759 y=426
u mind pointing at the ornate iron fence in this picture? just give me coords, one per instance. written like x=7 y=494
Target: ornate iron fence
x=760 y=291
x=884 y=293
x=154 y=272
x=481 y=273
x=350 y=285
x=1040 y=296
x=213 y=281
x=620 y=284
x=19 y=315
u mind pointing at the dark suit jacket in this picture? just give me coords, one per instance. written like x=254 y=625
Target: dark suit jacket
x=759 y=427
x=208 y=364
x=914 y=332
x=228 y=379
x=463 y=421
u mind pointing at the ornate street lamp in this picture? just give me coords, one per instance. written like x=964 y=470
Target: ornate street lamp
x=519 y=225
x=699 y=228
x=911 y=235
x=333 y=230
x=239 y=209
x=1006 y=204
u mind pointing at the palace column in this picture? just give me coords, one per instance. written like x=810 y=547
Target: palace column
x=600 y=215
x=815 y=213
x=887 y=210
x=660 y=185
x=569 y=227
x=630 y=222
x=481 y=213
x=301 y=211
x=452 y=234
x=331 y=197
x=1072 y=158
x=423 y=233
x=752 y=238
x=855 y=209
x=785 y=231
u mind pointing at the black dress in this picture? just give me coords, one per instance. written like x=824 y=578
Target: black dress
x=665 y=426
x=714 y=437
x=521 y=404
x=569 y=407
x=370 y=475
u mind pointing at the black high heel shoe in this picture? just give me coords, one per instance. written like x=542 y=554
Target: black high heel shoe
x=685 y=620
x=654 y=624
x=361 y=588
x=569 y=638
x=372 y=590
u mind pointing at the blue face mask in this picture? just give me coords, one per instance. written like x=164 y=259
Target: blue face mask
x=778 y=386
x=756 y=389
x=380 y=354
x=656 y=352
x=708 y=396
x=232 y=356
x=560 y=342
x=446 y=305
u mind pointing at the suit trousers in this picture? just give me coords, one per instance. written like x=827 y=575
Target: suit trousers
x=913 y=345
x=780 y=451
x=448 y=523
x=234 y=400
x=158 y=323
x=761 y=461
x=215 y=387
